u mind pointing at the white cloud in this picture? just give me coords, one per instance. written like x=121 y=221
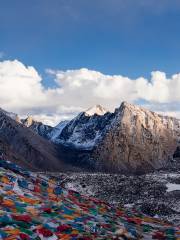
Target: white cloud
x=22 y=91
x=20 y=86
x=92 y=86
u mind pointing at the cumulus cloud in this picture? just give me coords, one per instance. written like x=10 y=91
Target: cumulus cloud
x=20 y=86
x=93 y=86
x=22 y=91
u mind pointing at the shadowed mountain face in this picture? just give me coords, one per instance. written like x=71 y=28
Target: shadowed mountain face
x=38 y=127
x=20 y=144
x=130 y=140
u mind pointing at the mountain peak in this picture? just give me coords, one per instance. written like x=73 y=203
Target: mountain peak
x=135 y=108
x=28 y=121
x=125 y=104
x=97 y=109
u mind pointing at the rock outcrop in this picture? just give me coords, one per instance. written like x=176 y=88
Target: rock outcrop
x=137 y=140
x=38 y=127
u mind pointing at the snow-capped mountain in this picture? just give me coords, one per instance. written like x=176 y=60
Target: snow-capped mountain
x=84 y=131
x=56 y=131
x=131 y=139
x=97 y=109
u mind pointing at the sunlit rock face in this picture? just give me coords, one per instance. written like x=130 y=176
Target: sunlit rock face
x=137 y=140
x=131 y=139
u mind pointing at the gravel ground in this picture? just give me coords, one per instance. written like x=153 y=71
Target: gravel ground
x=155 y=194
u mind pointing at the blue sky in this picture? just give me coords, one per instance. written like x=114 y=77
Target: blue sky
x=114 y=37
x=127 y=37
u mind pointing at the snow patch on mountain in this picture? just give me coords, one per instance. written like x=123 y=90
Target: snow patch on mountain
x=97 y=109
x=84 y=131
x=56 y=131
x=78 y=140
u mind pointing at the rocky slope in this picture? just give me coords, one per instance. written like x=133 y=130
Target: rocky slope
x=20 y=144
x=35 y=206
x=131 y=139
x=155 y=194
x=138 y=140
x=84 y=131
x=38 y=127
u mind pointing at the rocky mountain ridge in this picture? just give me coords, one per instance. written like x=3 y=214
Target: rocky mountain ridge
x=21 y=145
x=131 y=139
x=38 y=127
x=138 y=140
